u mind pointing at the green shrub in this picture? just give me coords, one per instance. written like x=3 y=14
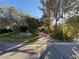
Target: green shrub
x=58 y=35
x=69 y=38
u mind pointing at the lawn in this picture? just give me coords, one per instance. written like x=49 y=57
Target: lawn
x=10 y=37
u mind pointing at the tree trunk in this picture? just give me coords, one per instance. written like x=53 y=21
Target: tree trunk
x=56 y=29
x=56 y=26
x=49 y=22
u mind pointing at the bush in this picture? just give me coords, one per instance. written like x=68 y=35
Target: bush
x=2 y=31
x=23 y=28
x=69 y=38
x=59 y=35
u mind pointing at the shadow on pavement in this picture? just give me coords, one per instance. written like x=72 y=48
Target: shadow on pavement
x=7 y=47
x=61 y=51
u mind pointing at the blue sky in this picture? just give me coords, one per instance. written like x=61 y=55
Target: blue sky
x=30 y=6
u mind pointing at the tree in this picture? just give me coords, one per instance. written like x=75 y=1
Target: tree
x=77 y=8
x=1 y=10
x=73 y=23
x=46 y=10
x=8 y=18
x=11 y=10
x=33 y=23
x=55 y=8
x=9 y=13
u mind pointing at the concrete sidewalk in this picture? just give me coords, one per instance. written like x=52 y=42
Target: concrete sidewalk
x=22 y=50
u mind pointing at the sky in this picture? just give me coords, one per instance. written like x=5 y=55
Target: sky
x=30 y=6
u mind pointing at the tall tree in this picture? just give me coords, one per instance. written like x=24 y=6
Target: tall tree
x=11 y=10
x=46 y=11
x=55 y=8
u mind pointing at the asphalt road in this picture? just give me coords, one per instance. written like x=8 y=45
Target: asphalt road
x=61 y=51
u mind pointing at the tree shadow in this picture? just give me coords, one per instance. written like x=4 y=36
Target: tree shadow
x=61 y=51
x=7 y=47
x=14 y=48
